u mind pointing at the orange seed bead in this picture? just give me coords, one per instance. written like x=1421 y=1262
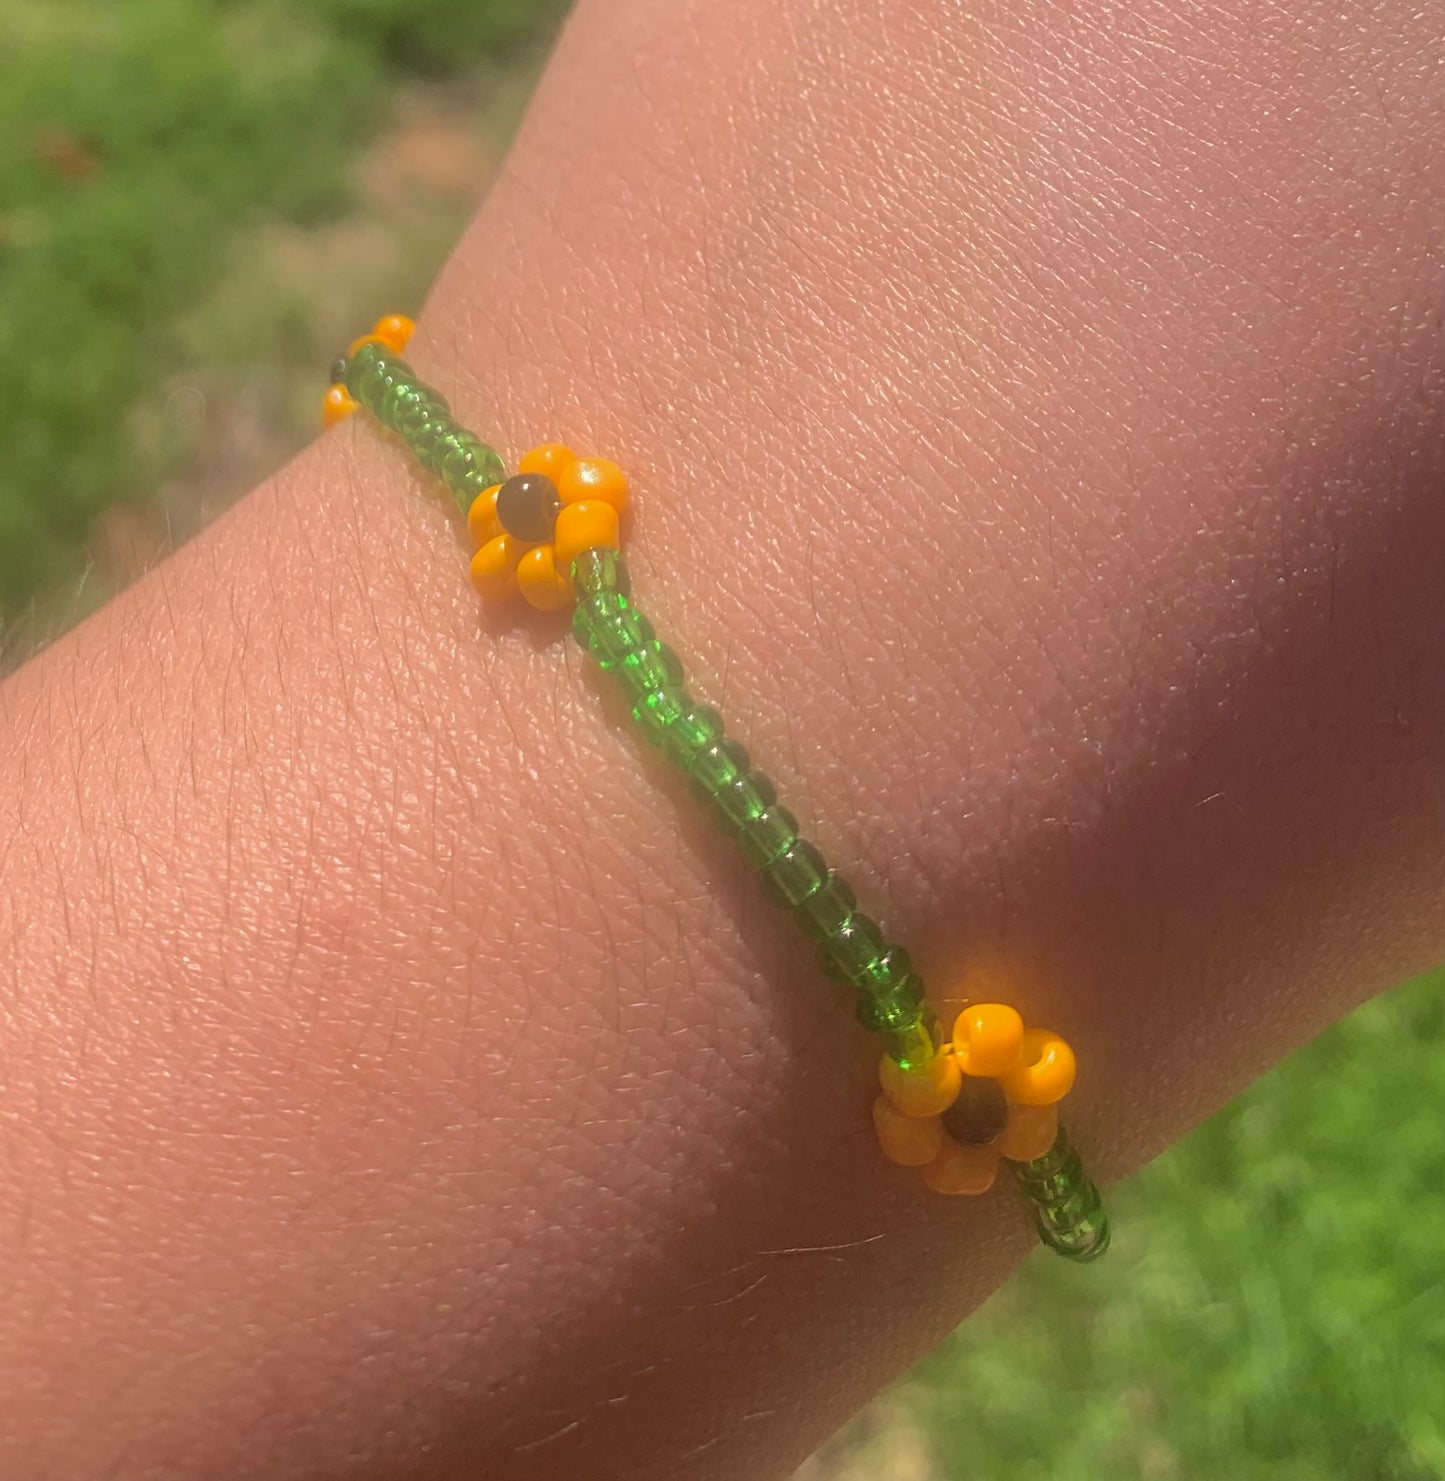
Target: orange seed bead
x=1045 y=1073
x=959 y=1169
x=907 y=1140
x=337 y=406
x=580 y=527
x=394 y=331
x=987 y=1038
x=593 y=478
x=494 y=567
x=924 y=1091
x=550 y=458
x=1029 y=1132
x=482 y=521
x=541 y=583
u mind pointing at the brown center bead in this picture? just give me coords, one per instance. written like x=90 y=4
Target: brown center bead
x=527 y=506
x=977 y=1117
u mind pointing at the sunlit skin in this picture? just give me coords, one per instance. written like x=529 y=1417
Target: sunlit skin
x=1033 y=419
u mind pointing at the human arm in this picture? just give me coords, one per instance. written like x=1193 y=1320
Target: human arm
x=1032 y=414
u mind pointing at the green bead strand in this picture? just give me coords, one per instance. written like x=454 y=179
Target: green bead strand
x=406 y=407
x=389 y=389
x=437 y=440
x=469 y=466
x=371 y=372
x=792 y=873
x=1068 y=1210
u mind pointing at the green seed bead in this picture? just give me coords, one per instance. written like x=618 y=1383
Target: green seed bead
x=768 y=836
x=359 y=366
x=887 y=973
x=897 y=1008
x=373 y=384
x=587 y=628
x=1061 y=1214
x=1056 y=1189
x=488 y=467
x=743 y=800
x=658 y=711
x=421 y=440
x=488 y=472
x=827 y=909
x=609 y=628
x=798 y=872
x=599 y=606
x=717 y=765
x=1088 y=1238
x=373 y=372
x=653 y=666
x=615 y=639
x=600 y=569
x=914 y=1045
x=850 y=955
x=468 y=466
x=1069 y=1213
x=701 y=727
x=404 y=406
x=439 y=441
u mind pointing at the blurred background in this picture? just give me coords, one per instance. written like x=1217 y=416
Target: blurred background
x=200 y=200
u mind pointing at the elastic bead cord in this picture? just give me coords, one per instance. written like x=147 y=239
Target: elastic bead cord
x=955 y=1110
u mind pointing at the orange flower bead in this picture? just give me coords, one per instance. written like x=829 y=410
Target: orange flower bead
x=987 y=1038
x=924 y=1091
x=959 y=1169
x=550 y=458
x=593 y=478
x=1045 y=1073
x=581 y=526
x=494 y=567
x=1029 y=1132
x=337 y=406
x=910 y=1141
x=540 y=581
x=482 y=521
x=394 y=331
x=364 y=339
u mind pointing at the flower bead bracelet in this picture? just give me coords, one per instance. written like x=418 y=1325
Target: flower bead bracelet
x=550 y=535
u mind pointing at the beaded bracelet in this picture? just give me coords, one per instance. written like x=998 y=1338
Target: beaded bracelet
x=551 y=533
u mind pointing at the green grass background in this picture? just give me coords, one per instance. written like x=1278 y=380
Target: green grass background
x=1274 y=1307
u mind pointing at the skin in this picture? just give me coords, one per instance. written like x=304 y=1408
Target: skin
x=1033 y=417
